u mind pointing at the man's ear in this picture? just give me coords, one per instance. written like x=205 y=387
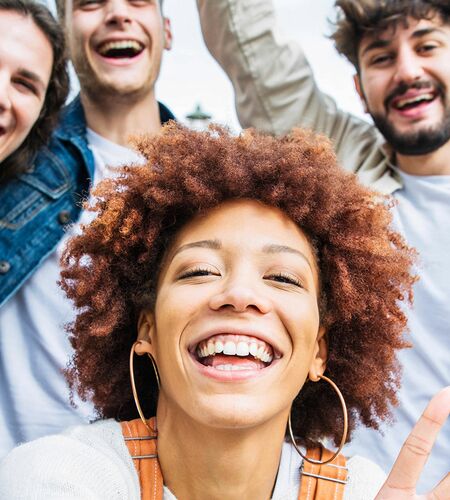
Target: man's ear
x=320 y=355
x=146 y=331
x=359 y=89
x=167 y=33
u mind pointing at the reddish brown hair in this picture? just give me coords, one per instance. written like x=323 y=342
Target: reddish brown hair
x=110 y=271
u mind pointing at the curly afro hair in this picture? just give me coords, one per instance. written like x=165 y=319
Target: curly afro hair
x=110 y=270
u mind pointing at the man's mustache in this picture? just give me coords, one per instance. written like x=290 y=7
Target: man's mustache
x=402 y=88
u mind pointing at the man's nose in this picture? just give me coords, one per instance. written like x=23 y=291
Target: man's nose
x=408 y=67
x=118 y=12
x=241 y=295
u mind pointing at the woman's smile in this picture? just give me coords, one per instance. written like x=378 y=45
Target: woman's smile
x=236 y=313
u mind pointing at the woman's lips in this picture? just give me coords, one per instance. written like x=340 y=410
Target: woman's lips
x=233 y=356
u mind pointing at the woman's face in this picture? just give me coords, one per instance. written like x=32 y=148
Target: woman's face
x=26 y=60
x=235 y=330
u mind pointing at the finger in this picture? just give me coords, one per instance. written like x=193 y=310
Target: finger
x=414 y=453
x=442 y=490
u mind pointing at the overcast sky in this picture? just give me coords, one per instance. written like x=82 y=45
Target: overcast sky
x=190 y=75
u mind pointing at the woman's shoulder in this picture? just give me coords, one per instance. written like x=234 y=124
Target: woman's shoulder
x=88 y=461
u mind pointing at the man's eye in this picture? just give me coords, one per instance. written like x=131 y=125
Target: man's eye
x=87 y=4
x=381 y=59
x=198 y=272
x=284 y=278
x=426 y=48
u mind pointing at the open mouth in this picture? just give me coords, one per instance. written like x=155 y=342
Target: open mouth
x=226 y=352
x=411 y=102
x=120 y=49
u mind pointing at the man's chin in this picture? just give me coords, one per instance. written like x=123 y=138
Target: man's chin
x=98 y=90
x=418 y=142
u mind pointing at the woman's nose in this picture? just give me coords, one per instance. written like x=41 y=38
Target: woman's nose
x=241 y=296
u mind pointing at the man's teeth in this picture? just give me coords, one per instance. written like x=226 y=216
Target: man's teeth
x=230 y=348
x=413 y=100
x=120 y=45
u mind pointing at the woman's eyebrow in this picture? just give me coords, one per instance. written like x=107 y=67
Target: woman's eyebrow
x=274 y=248
x=213 y=244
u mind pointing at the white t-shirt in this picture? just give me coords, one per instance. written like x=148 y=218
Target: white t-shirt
x=423 y=217
x=34 y=349
x=92 y=461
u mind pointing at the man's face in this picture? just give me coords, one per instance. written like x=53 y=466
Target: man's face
x=116 y=45
x=404 y=81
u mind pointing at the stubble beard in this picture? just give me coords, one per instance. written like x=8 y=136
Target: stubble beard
x=420 y=142
x=106 y=93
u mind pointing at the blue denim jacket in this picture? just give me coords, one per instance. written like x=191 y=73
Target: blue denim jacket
x=36 y=207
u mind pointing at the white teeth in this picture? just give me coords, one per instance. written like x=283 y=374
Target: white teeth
x=229 y=348
x=120 y=44
x=232 y=348
x=231 y=368
x=242 y=349
x=424 y=97
x=260 y=353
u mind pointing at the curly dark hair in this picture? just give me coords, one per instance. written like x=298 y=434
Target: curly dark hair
x=110 y=270
x=57 y=91
x=357 y=18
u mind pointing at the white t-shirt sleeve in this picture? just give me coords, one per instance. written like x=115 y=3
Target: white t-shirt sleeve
x=79 y=464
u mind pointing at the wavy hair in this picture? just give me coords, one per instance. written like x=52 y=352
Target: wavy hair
x=357 y=18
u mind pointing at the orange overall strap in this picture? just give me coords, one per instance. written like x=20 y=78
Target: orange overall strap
x=142 y=446
x=323 y=482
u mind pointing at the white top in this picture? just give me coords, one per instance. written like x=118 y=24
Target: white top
x=423 y=217
x=34 y=397
x=92 y=462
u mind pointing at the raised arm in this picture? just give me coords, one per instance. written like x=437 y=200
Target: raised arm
x=274 y=85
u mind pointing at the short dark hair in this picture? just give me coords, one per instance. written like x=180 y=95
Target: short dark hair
x=57 y=90
x=356 y=18
x=110 y=271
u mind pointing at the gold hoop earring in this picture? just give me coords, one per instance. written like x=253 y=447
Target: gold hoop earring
x=344 y=434
x=133 y=384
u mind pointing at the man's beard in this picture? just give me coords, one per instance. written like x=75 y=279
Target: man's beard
x=99 y=91
x=420 y=142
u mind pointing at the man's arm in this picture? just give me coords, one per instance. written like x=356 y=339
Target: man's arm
x=274 y=85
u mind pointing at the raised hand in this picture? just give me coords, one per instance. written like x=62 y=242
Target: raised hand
x=402 y=480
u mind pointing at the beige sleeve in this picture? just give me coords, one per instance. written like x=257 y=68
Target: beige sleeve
x=273 y=82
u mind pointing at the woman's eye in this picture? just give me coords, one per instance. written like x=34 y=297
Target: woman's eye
x=198 y=272
x=284 y=278
x=25 y=85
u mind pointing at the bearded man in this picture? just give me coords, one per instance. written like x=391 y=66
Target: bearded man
x=400 y=50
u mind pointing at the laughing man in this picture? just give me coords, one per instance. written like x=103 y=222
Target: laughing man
x=401 y=53
x=116 y=48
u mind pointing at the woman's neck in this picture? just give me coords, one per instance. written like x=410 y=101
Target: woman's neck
x=204 y=463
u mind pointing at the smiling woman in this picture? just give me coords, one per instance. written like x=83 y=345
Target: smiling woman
x=251 y=270
x=33 y=82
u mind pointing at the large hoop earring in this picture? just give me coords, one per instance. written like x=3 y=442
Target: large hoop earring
x=344 y=434
x=133 y=384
